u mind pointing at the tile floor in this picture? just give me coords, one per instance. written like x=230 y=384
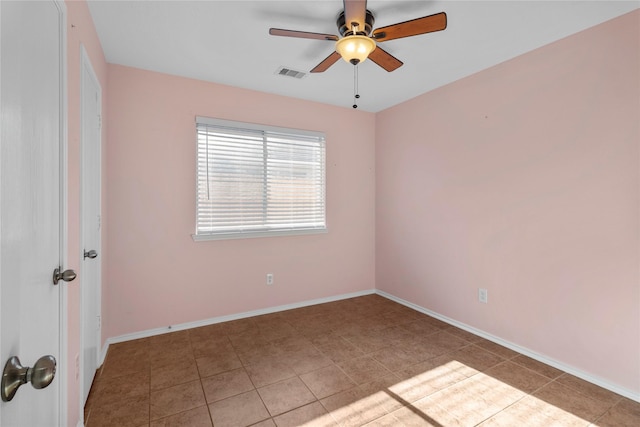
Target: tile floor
x=362 y=361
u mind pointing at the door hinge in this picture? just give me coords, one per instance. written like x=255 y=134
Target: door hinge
x=99 y=322
x=99 y=222
x=99 y=121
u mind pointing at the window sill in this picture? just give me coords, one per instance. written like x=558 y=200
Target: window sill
x=255 y=234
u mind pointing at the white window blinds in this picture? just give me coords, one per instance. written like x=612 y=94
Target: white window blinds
x=258 y=181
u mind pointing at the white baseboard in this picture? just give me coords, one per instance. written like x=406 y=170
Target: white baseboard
x=539 y=357
x=220 y=319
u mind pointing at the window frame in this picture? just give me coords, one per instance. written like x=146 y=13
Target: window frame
x=245 y=234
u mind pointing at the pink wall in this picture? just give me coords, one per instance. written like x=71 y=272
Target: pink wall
x=523 y=179
x=80 y=30
x=158 y=276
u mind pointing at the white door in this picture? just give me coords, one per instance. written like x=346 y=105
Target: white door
x=31 y=137
x=91 y=95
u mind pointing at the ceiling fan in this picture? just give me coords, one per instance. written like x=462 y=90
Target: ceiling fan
x=358 y=42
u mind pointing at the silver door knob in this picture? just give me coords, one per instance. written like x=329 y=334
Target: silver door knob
x=67 y=275
x=14 y=375
x=90 y=254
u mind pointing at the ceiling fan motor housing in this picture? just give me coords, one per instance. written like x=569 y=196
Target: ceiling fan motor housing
x=345 y=28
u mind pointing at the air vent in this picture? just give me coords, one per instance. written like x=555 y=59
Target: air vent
x=288 y=72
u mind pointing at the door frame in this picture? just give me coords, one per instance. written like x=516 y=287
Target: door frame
x=85 y=65
x=64 y=216
x=62 y=370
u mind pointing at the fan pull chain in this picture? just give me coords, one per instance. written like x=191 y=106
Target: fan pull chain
x=356 y=95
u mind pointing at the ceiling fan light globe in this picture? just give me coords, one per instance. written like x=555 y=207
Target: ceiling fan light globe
x=355 y=48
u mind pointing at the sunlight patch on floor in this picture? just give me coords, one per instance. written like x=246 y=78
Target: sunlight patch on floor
x=454 y=394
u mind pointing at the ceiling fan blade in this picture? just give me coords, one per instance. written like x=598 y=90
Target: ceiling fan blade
x=355 y=11
x=385 y=59
x=326 y=63
x=301 y=34
x=414 y=27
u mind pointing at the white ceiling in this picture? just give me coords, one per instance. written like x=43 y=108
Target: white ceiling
x=227 y=42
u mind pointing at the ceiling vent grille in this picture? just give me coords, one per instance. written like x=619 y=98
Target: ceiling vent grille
x=288 y=72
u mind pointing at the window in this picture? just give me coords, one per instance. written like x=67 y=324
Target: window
x=256 y=180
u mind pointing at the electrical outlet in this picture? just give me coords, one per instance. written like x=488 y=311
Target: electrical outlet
x=269 y=279
x=483 y=295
